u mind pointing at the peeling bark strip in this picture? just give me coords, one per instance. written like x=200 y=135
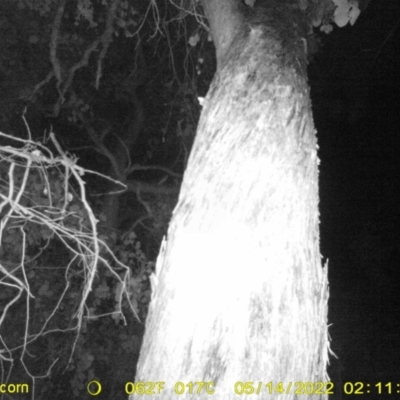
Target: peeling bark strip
x=241 y=295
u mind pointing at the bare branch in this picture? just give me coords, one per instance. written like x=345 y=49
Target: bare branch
x=154 y=168
x=106 y=39
x=102 y=148
x=83 y=62
x=55 y=33
x=85 y=240
x=41 y=83
x=134 y=185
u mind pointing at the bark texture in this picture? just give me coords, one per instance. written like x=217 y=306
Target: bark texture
x=239 y=294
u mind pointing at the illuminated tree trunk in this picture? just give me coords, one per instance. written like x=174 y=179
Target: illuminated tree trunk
x=239 y=292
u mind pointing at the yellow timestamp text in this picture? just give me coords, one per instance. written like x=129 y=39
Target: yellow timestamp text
x=179 y=387
x=298 y=388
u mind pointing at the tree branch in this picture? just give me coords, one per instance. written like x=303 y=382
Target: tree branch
x=225 y=19
x=153 y=168
x=102 y=148
x=134 y=186
x=106 y=39
x=55 y=32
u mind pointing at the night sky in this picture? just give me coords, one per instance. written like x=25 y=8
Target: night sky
x=355 y=85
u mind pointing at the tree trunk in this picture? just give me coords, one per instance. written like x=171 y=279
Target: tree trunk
x=239 y=293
